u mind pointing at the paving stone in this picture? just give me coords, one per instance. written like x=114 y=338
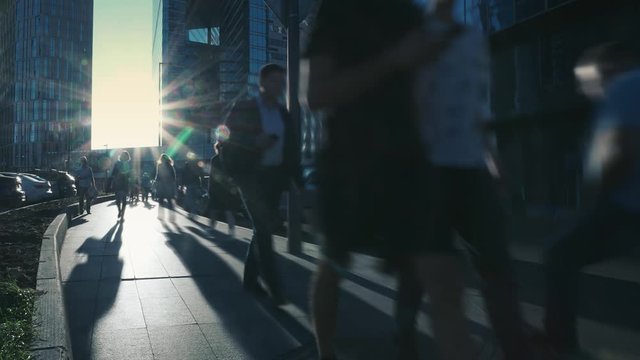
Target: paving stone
x=115 y=267
x=146 y=265
x=165 y=311
x=130 y=344
x=184 y=342
x=118 y=313
x=156 y=288
x=111 y=288
x=248 y=339
x=81 y=268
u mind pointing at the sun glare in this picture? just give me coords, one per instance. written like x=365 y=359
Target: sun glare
x=125 y=109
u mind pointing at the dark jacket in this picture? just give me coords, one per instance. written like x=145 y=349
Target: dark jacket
x=223 y=193
x=240 y=155
x=192 y=174
x=166 y=181
x=121 y=176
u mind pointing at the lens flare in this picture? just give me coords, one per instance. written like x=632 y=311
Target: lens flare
x=222 y=133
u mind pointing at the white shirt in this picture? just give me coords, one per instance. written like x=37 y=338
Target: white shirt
x=272 y=124
x=453 y=100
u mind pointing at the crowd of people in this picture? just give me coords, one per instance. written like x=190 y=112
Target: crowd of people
x=406 y=110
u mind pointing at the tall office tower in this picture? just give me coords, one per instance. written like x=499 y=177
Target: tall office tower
x=7 y=88
x=46 y=82
x=251 y=36
x=186 y=42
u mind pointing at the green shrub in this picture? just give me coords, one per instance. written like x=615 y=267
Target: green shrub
x=16 y=325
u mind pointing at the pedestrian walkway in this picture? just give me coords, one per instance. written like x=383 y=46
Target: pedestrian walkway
x=153 y=289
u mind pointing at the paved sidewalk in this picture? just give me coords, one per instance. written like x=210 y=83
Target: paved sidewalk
x=151 y=289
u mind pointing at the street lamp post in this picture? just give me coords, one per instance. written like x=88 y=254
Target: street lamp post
x=106 y=168
x=293 y=68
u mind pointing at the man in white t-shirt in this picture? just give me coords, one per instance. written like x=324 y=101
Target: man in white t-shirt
x=453 y=104
x=262 y=156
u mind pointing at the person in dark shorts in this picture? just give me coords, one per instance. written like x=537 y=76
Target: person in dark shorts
x=359 y=66
x=452 y=97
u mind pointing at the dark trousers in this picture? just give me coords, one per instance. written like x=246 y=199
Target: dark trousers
x=261 y=196
x=83 y=193
x=169 y=202
x=145 y=193
x=604 y=232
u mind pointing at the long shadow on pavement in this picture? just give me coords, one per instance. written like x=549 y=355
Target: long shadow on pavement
x=365 y=330
x=83 y=300
x=245 y=321
x=605 y=300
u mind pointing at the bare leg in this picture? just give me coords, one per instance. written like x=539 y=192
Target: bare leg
x=441 y=277
x=324 y=304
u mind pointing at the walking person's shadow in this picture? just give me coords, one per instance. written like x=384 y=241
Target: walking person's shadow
x=245 y=319
x=85 y=301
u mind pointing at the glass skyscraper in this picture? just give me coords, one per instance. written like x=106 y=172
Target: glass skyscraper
x=186 y=42
x=251 y=37
x=46 y=86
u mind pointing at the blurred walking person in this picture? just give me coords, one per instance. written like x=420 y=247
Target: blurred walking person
x=360 y=67
x=224 y=196
x=192 y=181
x=610 y=75
x=262 y=157
x=453 y=103
x=120 y=180
x=166 y=186
x=145 y=186
x=85 y=182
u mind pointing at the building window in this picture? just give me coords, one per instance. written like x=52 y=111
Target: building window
x=209 y=36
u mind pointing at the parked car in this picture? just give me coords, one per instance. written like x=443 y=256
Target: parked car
x=11 y=193
x=36 y=188
x=62 y=183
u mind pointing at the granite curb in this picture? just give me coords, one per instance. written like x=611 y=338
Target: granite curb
x=50 y=319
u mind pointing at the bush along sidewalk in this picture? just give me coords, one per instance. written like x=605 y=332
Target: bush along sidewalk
x=16 y=320
x=21 y=232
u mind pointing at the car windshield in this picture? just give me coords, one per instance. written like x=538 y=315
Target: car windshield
x=35 y=177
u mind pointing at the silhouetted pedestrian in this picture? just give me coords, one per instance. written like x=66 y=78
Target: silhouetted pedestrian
x=145 y=185
x=610 y=75
x=120 y=179
x=360 y=68
x=85 y=180
x=452 y=96
x=224 y=195
x=192 y=182
x=262 y=156
x=166 y=185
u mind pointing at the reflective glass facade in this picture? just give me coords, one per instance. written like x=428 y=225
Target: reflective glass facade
x=7 y=88
x=186 y=62
x=251 y=36
x=535 y=45
x=50 y=102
